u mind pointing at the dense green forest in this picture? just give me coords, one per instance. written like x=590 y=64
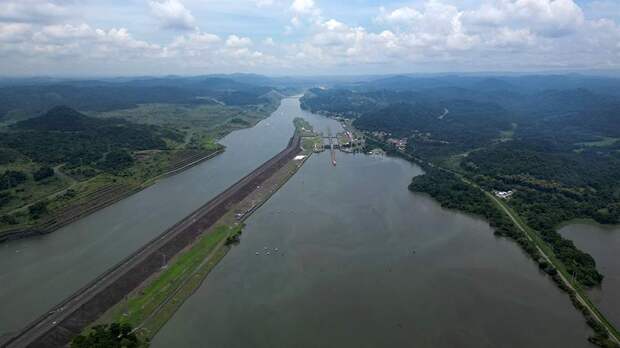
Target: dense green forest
x=25 y=100
x=63 y=135
x=84 y=147
x=554 y=140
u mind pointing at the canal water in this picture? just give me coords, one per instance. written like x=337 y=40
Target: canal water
x=603 y=243
x=37 y=273
x=348 y=257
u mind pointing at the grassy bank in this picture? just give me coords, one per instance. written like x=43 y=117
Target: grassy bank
x=148 y=308
x=151 y=305
x=310 y=141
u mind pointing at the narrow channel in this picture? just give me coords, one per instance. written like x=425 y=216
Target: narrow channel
x=346 y=256
x=603 y=243
x=38 y=273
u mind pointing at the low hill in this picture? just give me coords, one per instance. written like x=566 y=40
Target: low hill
x=61 y=118
x=63 y=135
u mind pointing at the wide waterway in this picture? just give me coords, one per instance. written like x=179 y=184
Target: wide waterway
x=363 y=262
x=37 y=273
x=603 y=243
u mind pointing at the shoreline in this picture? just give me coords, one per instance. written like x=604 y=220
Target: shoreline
x=52 y=225
x=42 y=229
x=578 y=296
x=586 y=221
x=170 y=298
x=59 y=325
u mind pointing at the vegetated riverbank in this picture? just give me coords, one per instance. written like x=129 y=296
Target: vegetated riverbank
x=153 y=303
x=603 y=243
x=76 y=202
x=82 y=195
x=453 y=191
x=68 y=318
x=40 y=272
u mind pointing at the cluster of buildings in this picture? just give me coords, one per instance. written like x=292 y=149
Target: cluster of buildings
x=380 y=134
x=504 y=194
x=400 y=144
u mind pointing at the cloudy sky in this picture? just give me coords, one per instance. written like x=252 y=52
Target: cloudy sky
x=283 y=37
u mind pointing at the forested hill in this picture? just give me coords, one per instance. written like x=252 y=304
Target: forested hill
x=63 y=135
x=20 y=101
x=576 y=114
x=63 y=118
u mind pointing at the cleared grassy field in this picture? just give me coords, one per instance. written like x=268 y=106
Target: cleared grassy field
x=213 y=120
x=310 y=140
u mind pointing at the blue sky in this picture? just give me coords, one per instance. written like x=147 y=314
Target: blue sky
x=288 y=37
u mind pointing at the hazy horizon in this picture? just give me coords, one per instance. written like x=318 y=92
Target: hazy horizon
x=361 y=77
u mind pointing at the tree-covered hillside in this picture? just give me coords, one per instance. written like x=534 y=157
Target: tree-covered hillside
x=63 y=135
x=26 y=100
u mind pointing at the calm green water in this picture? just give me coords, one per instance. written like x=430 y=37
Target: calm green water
x=362 y=262
x=603 y=243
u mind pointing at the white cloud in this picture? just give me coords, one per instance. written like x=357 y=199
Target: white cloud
x=506 y=37
x=400 y=16
x=235 y=41
x=304 y=11
x=425 y=34
x=546 y=17
x=303 y=6
x=501 y=34
x=32 y=11
x=436 y=26
x=14 y=32
x=80 y=42
x=173 y=14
